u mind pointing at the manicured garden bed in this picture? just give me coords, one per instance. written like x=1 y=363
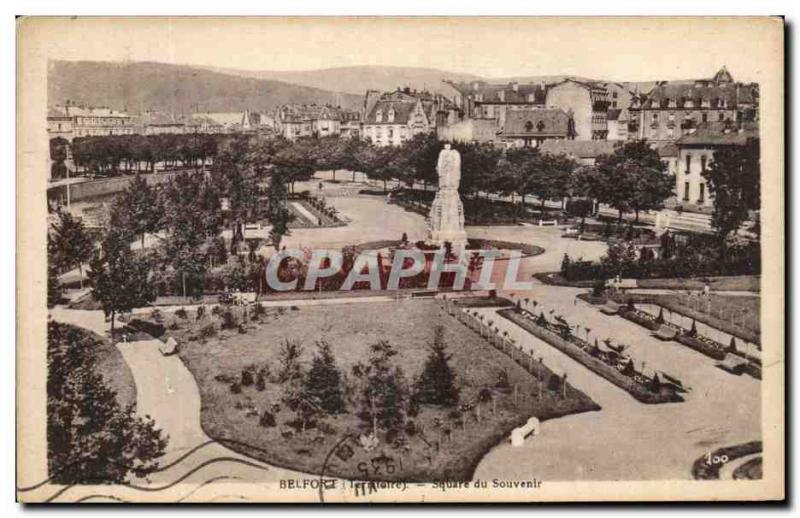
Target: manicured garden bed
x=675 y=304
x=449 y=450
x=599 y=367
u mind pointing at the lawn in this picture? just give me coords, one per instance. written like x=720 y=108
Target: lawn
x=440 y=445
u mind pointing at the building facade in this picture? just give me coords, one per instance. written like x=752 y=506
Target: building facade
x=392 y=118
x=305 y=120
x=72 y=121
x=696 y=152
x=674 y=109
x=586 y=102
x=482 y=100
x=470 y=130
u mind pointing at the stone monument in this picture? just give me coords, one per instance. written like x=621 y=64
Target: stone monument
x=446 y=220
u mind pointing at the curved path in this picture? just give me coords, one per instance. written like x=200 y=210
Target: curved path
x=194 y=467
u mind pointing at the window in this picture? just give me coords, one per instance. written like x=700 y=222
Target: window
x=390 y=118
x=655 y=116
x=686 y=191
x=705 y=117
x=721 y=116
x=702 y=196
x=378 y=116
x=703 y=160
x=688 y=164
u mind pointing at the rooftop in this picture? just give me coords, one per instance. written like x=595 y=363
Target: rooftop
x=536 y=122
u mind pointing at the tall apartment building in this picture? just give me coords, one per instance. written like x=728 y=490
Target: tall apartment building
x=677 y=108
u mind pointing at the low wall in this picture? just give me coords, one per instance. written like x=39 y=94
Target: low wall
x=100 y=188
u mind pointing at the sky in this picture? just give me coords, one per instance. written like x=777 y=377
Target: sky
x=629 y=49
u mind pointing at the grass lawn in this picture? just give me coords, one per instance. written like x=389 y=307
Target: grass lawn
x=723 y=312
x=450 y=450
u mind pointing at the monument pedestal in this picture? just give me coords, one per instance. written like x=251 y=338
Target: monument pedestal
x=446 y=219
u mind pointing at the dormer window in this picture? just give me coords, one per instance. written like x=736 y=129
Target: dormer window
x=540 y=125
x=528 y=126
x=390 y=116
x=378 y=116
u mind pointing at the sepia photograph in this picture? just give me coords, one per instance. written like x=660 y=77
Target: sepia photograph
x=400 y=259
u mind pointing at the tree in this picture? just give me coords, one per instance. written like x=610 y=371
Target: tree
x=278 y=213
x=632 y=178
x=138 y=208
x=384 y=391
x=551 y=177
x=436 y=385
x=71 y=243
x=733 y=178
x=289 y=359
x=91 y=439
x=119 y=279
x=323 y=383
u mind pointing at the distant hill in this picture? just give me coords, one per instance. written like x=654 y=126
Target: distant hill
x=140 y=86
x=357 y=79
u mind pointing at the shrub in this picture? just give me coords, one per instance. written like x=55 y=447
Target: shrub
x=411 y=428
x=236 y=388
x=156 y=315
x=216 y=310
x=247 y=377
x=598 y=288
x=693 y=331
x=260 y=382
x=208 y=331
x=554 y=383
x=242 y=329
x=259 y=309
x=228 y=320
x=181 y=313
x=267 y=419
x=156 y=330
x=201 y=312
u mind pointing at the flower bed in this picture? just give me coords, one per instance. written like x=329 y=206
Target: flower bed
x=703 y=345
x=578 y=353
x=640 y=317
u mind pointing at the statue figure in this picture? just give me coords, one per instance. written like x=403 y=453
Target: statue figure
x=446 y=219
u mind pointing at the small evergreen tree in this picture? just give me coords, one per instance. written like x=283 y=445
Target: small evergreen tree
x=436 y=385
x=384 y=392
x=565 y=264
x=289 y=359
x=323 y=382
